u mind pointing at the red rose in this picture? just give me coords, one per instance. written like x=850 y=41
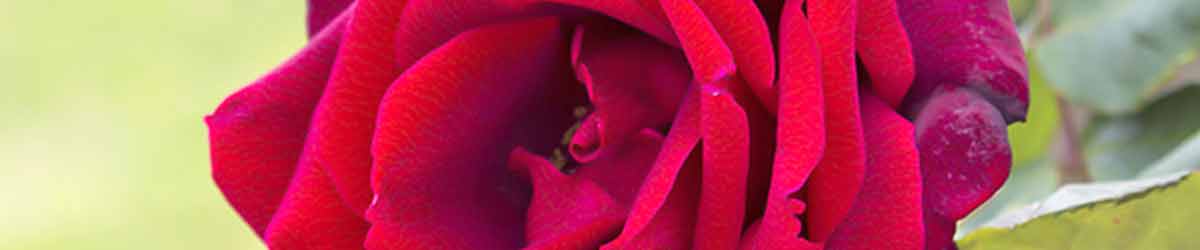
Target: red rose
x=626 y=124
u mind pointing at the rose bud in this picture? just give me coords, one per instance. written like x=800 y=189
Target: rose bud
x=971 y=82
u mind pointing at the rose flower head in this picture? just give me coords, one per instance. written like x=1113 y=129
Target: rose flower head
x=626 y=124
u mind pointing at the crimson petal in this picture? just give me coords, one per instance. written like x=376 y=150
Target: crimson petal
x=772 y=11
x=322 y=12
x=628 y=95
x=427 y=24
x=726 y=157
x=622 y=170
x=887 y=212
x=398 y=35
x=312 y=215
x=476 y=90
x=743 y=29
x=632 y=12
x=566 y=212
x=710 y=58
x=340 y=133
x=840 y=173
x=966 y=44
x=586 y=208
x=388 y=37
x=800 y=137
x=884 y=50
x=968 y=86
x=671 y=227
x=965 y=158
x=257 y=134
x=663 y=212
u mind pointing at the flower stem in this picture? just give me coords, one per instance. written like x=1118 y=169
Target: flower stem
x=1071 y=166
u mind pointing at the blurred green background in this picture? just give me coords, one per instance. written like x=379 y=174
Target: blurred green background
x=102 y=143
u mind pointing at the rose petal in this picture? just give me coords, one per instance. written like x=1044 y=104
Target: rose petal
x=566 y=212
x=434 y=191
x=671 y=225
x=887 y=213
x=257 y=134
x=622 y=170
x=628 y=95
x=427 y=24
x=884 y=50
x=772 y=11
x=725 y=157
x=312 y=216
x=586 y=208
x=589 y=139
x=388 y=37
x=965 y=158
x=743 y=29
x=632 y=12
x=651 y=209
x=800 y=138
x=966 y=44
x=322 y=12
x=345 y=117
x=968 y=86
x=759 y=238
x=840 y=172
x=762 y=126
x=710 y=58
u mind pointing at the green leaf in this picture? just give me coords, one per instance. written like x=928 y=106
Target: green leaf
x=1026 y=184
x=1113 y=55
x=1119 y=142
x=1184 y=158
x=1120 y=147
x=1159 y=213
